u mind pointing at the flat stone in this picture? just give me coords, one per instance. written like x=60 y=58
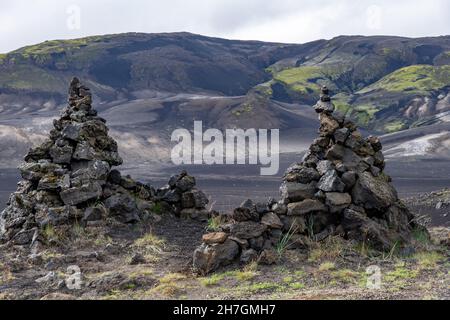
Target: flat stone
x=272 y=220
x=214 y=237
x=373 y=192
x=297 y=191
x=247 y=229
x=337 y=199
x=77 y=195
x=305 y=207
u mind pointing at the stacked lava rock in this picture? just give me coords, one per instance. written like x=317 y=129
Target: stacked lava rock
x=68 y=179
x=338 y=189
x=181 y=198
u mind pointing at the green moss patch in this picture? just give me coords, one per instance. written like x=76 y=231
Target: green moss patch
x=414 y=79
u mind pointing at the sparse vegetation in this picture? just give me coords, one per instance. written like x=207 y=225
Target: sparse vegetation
x=285 y=241
x=301 y=79
x=327 y=266
x=414 y=79
x=428 y=259
x=156 y=208
x=212 y=280
x=169 y=284
x=214 y=223
x=150 y=242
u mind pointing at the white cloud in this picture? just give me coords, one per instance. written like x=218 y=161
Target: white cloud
x=24 y=22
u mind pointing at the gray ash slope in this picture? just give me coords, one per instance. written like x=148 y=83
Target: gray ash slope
x=148 y=84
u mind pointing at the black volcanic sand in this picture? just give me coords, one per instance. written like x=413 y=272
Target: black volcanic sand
x=8 y=184
x=229 y=185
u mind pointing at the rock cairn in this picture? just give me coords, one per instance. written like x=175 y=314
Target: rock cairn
x=339 y=188
x=69 y=179
x=182 y=198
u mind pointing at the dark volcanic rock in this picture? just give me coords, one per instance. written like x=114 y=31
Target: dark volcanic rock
x=339 y=188
x=210 y=257
x=69 y=178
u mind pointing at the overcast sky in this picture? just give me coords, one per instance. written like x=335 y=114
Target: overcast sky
x=25 y=22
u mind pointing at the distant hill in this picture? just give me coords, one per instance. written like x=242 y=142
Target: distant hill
x=385 y=83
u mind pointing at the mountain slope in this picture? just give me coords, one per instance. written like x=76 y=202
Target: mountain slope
x=149 y=84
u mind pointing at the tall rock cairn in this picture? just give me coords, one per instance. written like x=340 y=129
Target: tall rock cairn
x=339 y=188
x=68 y=178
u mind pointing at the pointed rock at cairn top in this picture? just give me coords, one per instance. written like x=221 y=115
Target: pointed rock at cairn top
x=324 y=104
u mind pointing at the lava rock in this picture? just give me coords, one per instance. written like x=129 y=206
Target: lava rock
x=305 y=207
x=208 y=258
x=330 y=181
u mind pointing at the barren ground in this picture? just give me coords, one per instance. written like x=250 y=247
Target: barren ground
x=333 y=269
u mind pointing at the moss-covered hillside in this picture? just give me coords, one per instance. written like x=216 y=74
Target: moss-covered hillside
x=384 y=83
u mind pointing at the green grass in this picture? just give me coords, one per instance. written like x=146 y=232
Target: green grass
x=400 y=274
x=364 y=113
x=414 y=79
x=346 y=276
x=150 y=246
x=327 y=266
x=428 y=260
x=214 y=223
x=301 y=79
x=421 y=235
x=156 y=208
x=395 y=126
x=212 y=280
x=262 y=286
x=246 y=107
x=297 y=285
x=285 y=241
x=31 y=77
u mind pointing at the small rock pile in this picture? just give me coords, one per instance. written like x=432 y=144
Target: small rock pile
x=69 y=179
x=181 y=198
x=339 y=188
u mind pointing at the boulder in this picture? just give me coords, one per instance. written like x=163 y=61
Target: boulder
x=365 y=230
x=248 y=256
x=341 y=135
x=186 y=183
x=268 y=257
x=214 y=237
x=247 y=229
x=323 y=166
x=305 y=207
x=328 y=124
x=200 y=198
x=271 y=220
x=302 y=175
x=338 y=199
x=297 y=191
x=61 y=155
x=123 y=208
x=208 y=258
x=78 y=195
x=330 y=182
x=187 y=200
x=94 y=213
x=246 y=211
x=349 y=179
x=373 y=192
